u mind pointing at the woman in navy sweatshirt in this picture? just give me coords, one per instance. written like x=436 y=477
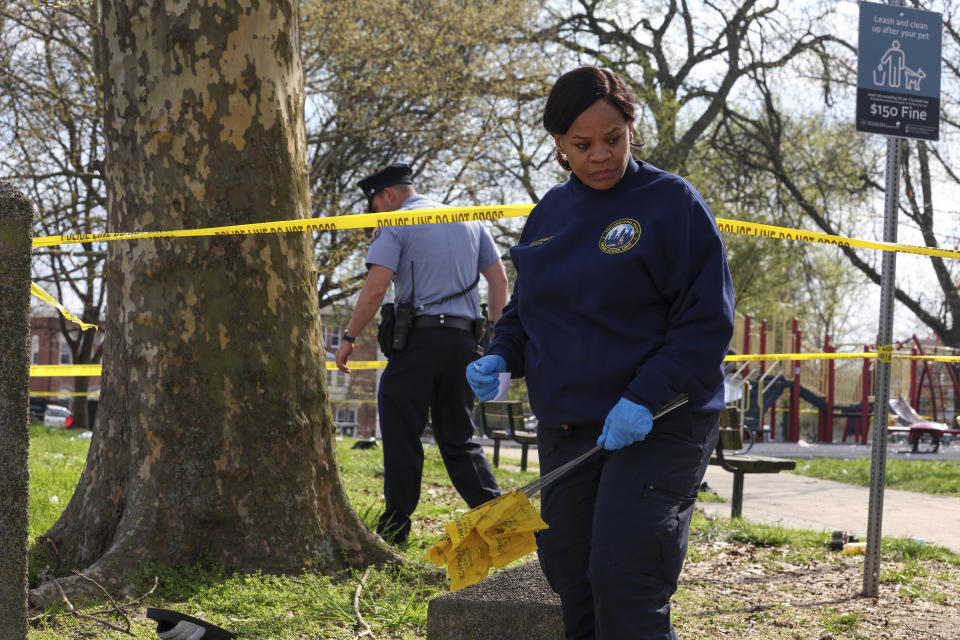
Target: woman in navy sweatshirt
x=623 y=302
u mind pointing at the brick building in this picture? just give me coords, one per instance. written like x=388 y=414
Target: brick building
x=48 y=346
x=353 y=398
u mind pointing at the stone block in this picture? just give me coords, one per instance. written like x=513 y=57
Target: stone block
x=513 y=604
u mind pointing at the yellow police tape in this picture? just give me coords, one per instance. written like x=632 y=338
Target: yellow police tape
x=36 y=290
x=461 y=214
x=57 y=370
x=444 y=215
x=358 y=221
x=786 y=233
x=885 y=355
x=927 y=358
x=47 y=370
x=756 y=357
x=371 y=364
x=63 y=394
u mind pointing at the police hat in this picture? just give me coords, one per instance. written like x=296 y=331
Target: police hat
x=386 y=177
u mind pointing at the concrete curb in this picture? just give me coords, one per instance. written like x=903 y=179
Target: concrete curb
x=516 y=603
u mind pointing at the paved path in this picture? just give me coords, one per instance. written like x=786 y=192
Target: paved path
x=900 y=451
x=823 y=505
x=809 y=503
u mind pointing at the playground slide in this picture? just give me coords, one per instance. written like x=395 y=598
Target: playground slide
x=913 y=423
x=907 y=415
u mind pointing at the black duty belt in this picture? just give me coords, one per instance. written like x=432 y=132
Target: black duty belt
x=443 y=320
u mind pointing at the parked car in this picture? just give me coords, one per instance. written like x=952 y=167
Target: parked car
x=57 y=416
x=37 y=408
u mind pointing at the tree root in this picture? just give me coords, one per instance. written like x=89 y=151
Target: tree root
x=116 y=608
x=367 y=631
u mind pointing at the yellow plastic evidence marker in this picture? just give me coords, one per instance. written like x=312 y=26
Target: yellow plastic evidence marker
x=492 y=535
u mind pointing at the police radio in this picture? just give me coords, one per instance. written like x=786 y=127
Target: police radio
x=403 y=318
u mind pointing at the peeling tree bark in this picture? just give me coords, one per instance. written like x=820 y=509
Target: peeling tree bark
x=214 y=436
x=16 y=221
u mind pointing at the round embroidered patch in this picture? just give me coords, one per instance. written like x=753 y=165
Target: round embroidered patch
x=620 y=236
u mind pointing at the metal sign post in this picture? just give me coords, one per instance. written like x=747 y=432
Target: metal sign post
x=878 y=464
x=898 y=94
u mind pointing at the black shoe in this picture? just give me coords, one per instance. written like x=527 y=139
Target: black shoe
x=394 y=527
x=167 y=620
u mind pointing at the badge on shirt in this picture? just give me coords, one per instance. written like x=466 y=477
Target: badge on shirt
x=620 y=236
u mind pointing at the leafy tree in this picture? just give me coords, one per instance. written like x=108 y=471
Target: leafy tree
x=695 y=66
x=447 y=86
x=51 y=128
x=818 y=164
x=686 y=60
x=929 y=171
x=214 y=437
x=444 y=85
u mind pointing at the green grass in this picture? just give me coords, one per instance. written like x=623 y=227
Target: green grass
x=836 y=622
x=706 y=496
x=362 y=473
x=803 y=546
x=941 y=477
x=56 y=460
x=394 y=599
x=57 y=456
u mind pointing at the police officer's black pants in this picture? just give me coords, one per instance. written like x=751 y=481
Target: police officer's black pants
x=619 y=525
x=429 y=373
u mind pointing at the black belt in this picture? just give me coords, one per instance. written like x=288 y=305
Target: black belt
x=589 y=426
x=443 y=320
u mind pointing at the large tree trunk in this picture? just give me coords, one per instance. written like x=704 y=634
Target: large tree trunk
x=16 y=221
x=213 y=435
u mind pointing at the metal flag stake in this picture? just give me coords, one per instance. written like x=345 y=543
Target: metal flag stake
x=534 y=487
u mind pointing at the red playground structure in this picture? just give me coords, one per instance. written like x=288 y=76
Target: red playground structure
x=838 y=391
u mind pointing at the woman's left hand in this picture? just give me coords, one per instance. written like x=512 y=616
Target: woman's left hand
x=483 y=378
x=627 y=422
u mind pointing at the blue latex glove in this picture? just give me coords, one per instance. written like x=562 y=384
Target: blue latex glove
x=482 y=375
x=627 y=422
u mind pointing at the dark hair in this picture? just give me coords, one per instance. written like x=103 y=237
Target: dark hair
x=575 y=91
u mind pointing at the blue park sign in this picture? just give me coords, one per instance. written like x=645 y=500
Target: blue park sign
x=898 y=71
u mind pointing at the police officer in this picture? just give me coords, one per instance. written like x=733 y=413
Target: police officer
x=437 y=267
x=623 y=301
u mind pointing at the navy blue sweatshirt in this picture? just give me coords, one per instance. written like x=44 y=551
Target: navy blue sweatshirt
x=619 y=293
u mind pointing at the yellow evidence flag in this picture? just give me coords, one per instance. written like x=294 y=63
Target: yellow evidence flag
x=492 y=535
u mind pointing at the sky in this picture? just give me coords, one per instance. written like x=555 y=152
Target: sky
x=913 y=272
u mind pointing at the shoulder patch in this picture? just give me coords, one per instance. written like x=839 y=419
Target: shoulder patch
x=620 y=236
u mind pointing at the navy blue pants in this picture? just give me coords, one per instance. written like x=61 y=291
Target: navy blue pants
x=429 y=374
x=619 y=524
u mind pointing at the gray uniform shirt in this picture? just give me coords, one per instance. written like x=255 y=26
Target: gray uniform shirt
x=446 y=259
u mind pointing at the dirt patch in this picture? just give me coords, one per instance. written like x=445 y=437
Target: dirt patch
x=732 y=590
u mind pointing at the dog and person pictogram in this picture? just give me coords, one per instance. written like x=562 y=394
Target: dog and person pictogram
x=892 y=70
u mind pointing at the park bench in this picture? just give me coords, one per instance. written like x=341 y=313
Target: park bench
x=913 y=425
x=503 y=420
x=731 y=438
x=917 y=431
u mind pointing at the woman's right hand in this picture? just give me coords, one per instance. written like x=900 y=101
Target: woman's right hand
x=483 y=376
